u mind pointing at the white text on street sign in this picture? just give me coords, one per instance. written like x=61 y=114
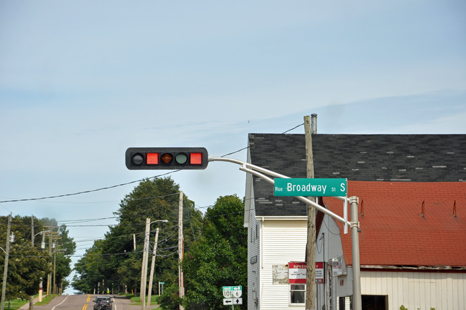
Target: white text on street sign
x=309 y=187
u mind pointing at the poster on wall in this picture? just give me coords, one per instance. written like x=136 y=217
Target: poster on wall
x=297 y=272
x=320 y=272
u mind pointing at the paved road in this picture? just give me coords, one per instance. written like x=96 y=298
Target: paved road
x=85 y=302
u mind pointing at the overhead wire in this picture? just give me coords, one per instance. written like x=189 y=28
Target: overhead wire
x=121 y=184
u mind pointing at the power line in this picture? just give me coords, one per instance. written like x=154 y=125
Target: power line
x=121 y=184
x=88 y=191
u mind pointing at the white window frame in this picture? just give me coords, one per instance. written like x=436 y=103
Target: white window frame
x=289 y=295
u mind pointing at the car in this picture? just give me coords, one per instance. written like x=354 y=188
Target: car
x=103 y=303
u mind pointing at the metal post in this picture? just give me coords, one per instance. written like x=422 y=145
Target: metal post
x=357 y=302
x=151 y=278
x=142 y=294
x=180 y=246
x=5 y=269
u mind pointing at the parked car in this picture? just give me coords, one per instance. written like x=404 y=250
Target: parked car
x=103 y=303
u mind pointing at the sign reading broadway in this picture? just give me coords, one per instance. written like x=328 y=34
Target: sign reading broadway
x=310 y=187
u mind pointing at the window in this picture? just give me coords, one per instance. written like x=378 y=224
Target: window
x=376 y=302
x=257 y=231
x=297 y=293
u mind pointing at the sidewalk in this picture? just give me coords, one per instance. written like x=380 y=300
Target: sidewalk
x=26 y=306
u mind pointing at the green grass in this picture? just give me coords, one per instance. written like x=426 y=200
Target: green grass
x=135 y=301
x=46 y=300
x=16 y=303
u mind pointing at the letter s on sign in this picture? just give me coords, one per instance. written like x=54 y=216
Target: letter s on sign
x=342 y=185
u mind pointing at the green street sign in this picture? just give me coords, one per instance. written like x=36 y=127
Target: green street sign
x=310 y=187
x=232 y=291
x=162 y=282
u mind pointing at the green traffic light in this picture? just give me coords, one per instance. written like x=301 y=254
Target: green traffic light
x=181 y=158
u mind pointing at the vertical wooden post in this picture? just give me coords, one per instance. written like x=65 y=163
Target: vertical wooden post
x=311 y=224
x=180 y=247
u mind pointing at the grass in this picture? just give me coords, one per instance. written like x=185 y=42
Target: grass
x=16 y=303
x=135 y=301
x=46 y=300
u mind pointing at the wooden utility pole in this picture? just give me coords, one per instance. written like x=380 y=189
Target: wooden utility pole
x=152 y=267
x=311 y=224
x=7 y=254
x=180 y=247
x=32 y=230
x=142 y=293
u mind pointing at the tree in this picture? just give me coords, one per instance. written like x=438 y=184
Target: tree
x=26 y=264
x=219 y=257
x=118 y=263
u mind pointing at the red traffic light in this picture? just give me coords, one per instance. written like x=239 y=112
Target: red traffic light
x=147 y=158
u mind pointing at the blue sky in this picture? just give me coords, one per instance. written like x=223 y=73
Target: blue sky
x=82 y=81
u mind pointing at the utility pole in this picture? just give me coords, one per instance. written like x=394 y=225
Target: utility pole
x=142 y=294
x=7 y=254
x=49 y=275
x=152 y=266
x=180 y=247
x=32 y=229
x=311 y=222
x=54 y=290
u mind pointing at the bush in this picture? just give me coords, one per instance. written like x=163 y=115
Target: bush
x=170 y=300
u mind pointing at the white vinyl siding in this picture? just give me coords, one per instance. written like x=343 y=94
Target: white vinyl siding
x=423 y=290
x=283 y=241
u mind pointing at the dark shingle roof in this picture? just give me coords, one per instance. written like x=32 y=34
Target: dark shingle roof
x=408 y=158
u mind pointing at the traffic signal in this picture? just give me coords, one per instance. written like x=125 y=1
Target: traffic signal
x=166 y=158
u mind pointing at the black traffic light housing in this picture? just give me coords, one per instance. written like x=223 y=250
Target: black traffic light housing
x=166 y=158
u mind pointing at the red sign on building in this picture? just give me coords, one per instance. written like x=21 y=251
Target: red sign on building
x=320 y=272
x=297 y=272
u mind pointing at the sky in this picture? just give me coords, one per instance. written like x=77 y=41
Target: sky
x=81 y=81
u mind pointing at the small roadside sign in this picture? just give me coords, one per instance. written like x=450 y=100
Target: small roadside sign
x=309 y=187
x=227 y=302
x=237 y=301
x=232 y=291
x=319 y=272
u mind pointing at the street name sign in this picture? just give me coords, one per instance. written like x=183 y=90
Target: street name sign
x=232 y=291
x=309 y=187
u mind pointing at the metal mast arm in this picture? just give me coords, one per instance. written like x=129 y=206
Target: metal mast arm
x=259 y=172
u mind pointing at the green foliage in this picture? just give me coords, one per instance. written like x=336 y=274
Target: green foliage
x=26 y=264
x=113 y=259
x=403 y=308
x=170 y=300
x=218 y=258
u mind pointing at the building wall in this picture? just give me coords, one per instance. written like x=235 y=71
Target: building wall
x=283 y=241
x=417 y=290
x=254 y=235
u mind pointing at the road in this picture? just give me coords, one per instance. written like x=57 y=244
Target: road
x=85 y=302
